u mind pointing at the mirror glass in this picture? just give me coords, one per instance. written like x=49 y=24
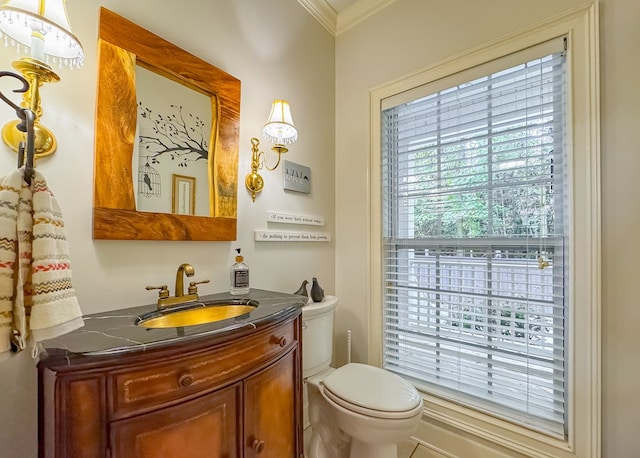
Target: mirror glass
x=170 y=159
x=134 y=66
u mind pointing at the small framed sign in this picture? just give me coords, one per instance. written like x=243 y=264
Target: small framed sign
x=297 y=177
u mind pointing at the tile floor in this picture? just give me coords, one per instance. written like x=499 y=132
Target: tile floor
x=410 y=449
x=407 y=449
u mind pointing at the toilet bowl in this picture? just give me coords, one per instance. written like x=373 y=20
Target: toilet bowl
x=324 y=438
x=357 y=410
x=375 y=408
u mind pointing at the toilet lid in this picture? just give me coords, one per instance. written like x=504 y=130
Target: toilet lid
x=372 y=391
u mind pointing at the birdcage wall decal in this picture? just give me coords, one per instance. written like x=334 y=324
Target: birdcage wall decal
x=149 y=183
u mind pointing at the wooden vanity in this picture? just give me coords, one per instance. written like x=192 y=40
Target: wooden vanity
x=222 y=395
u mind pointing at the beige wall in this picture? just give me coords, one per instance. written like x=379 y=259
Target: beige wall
x=284 y=53
x=277 y=50
x=411 y=34
x=619 y=39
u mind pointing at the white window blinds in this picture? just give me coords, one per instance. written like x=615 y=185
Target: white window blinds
x=474 y=238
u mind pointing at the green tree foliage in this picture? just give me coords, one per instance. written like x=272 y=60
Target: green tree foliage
x=499 y=187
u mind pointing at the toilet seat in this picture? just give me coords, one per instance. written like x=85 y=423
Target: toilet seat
x=372 y=391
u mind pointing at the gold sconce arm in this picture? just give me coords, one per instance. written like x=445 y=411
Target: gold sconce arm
x=280 y=149
x=36 y=73
x=253 y=181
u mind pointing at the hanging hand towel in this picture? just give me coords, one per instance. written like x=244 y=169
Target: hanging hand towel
x=9 y=194
x=36 y=295
x=55 y=309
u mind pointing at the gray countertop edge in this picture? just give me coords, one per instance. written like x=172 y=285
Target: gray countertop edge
x=114 y=332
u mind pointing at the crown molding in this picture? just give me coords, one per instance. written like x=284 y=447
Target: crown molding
x=323 y=13
x=337 y=23
x=358 y=12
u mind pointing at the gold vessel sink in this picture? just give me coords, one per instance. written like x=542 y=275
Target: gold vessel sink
x=198 y=313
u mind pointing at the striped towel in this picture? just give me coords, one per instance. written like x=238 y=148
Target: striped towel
x=37 y=299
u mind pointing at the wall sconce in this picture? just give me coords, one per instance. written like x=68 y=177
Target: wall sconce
x=39 y=28
x=278 y=129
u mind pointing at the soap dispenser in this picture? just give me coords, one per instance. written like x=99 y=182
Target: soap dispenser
x=239 y=276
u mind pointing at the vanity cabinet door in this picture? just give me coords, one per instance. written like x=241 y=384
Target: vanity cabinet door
x=205 y=427
x=270 y=410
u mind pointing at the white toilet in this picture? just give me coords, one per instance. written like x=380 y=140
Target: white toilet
x=357 y=410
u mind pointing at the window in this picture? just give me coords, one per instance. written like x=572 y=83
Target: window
x=485 y=242
x=474 y=232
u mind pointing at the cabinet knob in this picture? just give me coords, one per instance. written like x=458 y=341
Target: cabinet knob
x=282 y=341
x=257 y=445
x=185 y=380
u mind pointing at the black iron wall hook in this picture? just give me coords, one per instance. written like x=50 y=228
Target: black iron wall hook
x=28 y=161
x=26 y=117
x=24 y=88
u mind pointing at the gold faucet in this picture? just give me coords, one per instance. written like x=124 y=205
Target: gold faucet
x=183 y=269
x=164 y=300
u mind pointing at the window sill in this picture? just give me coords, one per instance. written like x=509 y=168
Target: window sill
x=465 y=432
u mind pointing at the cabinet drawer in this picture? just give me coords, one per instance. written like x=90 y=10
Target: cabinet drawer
x=153 y=385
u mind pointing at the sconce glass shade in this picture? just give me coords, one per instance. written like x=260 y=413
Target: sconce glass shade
x=279 y=128
x=41 y=29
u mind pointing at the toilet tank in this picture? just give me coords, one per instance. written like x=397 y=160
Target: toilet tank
x=317 y=335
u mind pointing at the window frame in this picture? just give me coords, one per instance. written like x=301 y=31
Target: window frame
x=448 y=426
x=403 y=183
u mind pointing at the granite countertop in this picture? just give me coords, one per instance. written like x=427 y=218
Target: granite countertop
x=115 y=332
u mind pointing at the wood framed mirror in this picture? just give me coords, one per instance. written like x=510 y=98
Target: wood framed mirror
x=122 y=46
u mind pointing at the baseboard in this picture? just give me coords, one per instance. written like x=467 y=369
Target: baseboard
x=439 y=440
